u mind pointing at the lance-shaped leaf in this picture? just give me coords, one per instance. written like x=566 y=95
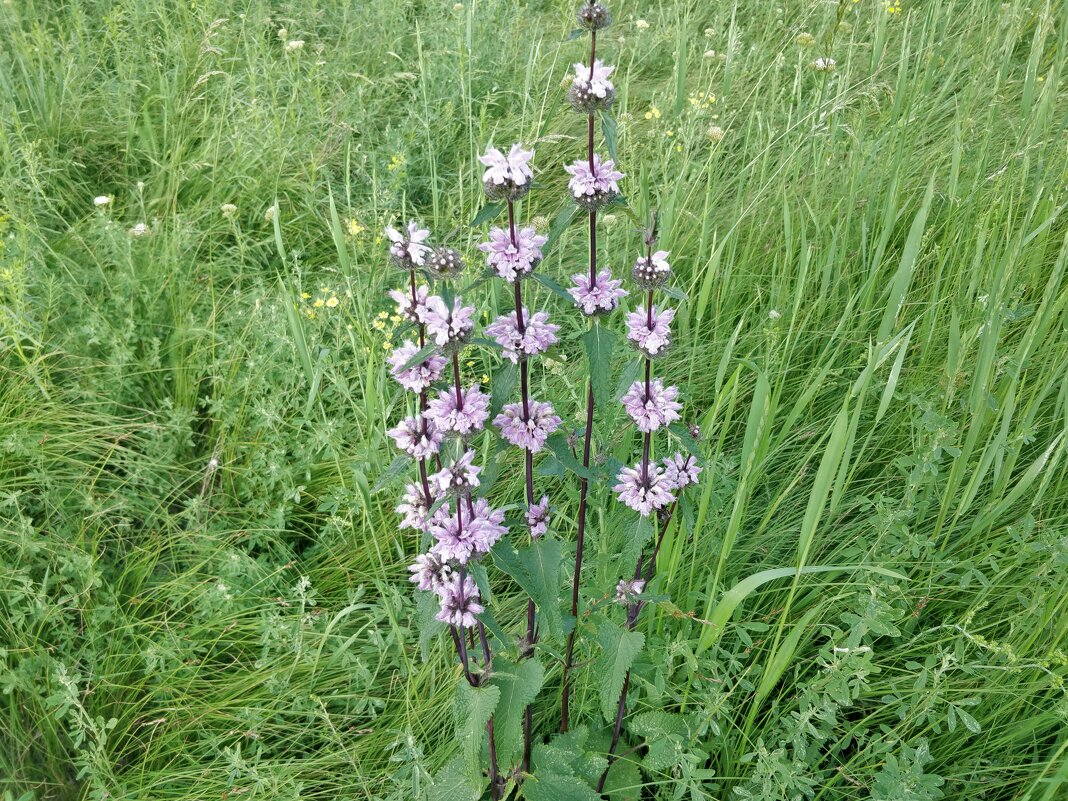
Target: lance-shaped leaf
x=451 y=783
x=536 y=568
x=486 y=213
x=600 y=342
x=611 y=136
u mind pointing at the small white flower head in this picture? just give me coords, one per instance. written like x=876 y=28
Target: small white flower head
x=228 y=209
x=457 y=6
x=139 y=230
x=824 y=64
x=270 y=215
x=102 y=200
x=774 y=315
x=641 y=25
x=805 y=39
x=710 y=54
x=294 y=45
x=716 y=134
x=627 y=592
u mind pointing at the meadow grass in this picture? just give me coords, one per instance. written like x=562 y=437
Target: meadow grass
x=203 y=584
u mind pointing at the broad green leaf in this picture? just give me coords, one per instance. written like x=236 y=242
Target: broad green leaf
x=554 y=287
x=558 y=445
x=519 y=685
x=486 y=213
x=420 y=356
x=619 y=649
x=504 y=381
x=560 y=222
x=600 y=341
x=472 y=710
x=554 y=787
x=536 y=568
x=452 y=784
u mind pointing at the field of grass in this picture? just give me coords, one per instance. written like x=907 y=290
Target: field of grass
x=203 y=590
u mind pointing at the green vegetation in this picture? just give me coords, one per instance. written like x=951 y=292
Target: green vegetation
x=203 y=593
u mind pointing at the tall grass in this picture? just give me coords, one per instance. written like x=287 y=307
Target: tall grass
x=202 y=591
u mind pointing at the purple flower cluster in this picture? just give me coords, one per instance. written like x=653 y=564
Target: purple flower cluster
x=459 y=478
x=513 y=260
x=538 y=517
x=644 y=490
x=591 y=90
x=650 y=272
x=413 y=509
x=536 y=336
x=681 y=470
x=408 y=249
x=460 y=602
x=599 y=297
x=413 y=310
x=525 y=432
x=507 y=177
x=449 y=328
x=417 y=436
x=654 y=409
x=467 y=531
x=592 y=188
x=415 y=377
x=462 y=419
x=652 y=340
x=627 y=591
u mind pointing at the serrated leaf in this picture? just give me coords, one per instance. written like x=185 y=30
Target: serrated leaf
x=519 y=685
x=658 y=724
x=600 y=342
x=611 y=135
x=624 y=781
x=627 y=377
x=637 y=531
x=536 y=568
x=553 y=787
x=429 y=627
x=452 y=784
x=619 y=649
x=472 y=710
x=486 y=213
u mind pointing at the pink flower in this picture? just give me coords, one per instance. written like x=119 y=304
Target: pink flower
x=449 y=327
x=473 y=534
x=627 y=592
x=460 y=602
x=599 y=85
x=538 y=517
x=462 y=421
x=593 y=188
x=537 y=336
x=650 y=273
x=643 y=495
x=430 y=573
x=414 y=509
x=417 y=437
x=414 y=312
x=681 y=471
x=407 y=249
x=600 y=297
x=523 y=433
x=650 y=340
x=510 y=261
x=419 y=376
x=657 y=409
x=459 y=478
x=507 y=176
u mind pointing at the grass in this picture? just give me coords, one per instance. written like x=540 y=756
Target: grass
x=203 y=592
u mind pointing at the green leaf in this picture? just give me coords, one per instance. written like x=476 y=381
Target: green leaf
x=452 y=784
x=619 y=649
x=472 y=710
x=554 y=787
x=421 y=356
x=504 y=381
x=672 y=292
x=717 y=621
x=575 y=34
x=558 y=445
x=396 y=468
x=519 y=685
x=487 y=212
x=536 y=568
x=610 y=131
x=600 y=342
x=554 y=287
x=560 y=222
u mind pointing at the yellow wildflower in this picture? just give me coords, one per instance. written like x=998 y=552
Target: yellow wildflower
x=332 y=301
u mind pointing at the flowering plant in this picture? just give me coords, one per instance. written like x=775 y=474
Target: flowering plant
x=460 y=530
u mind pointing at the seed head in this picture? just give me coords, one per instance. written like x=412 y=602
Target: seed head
x=593 y=17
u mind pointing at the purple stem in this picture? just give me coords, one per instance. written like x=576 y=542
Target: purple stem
x=422 y=400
